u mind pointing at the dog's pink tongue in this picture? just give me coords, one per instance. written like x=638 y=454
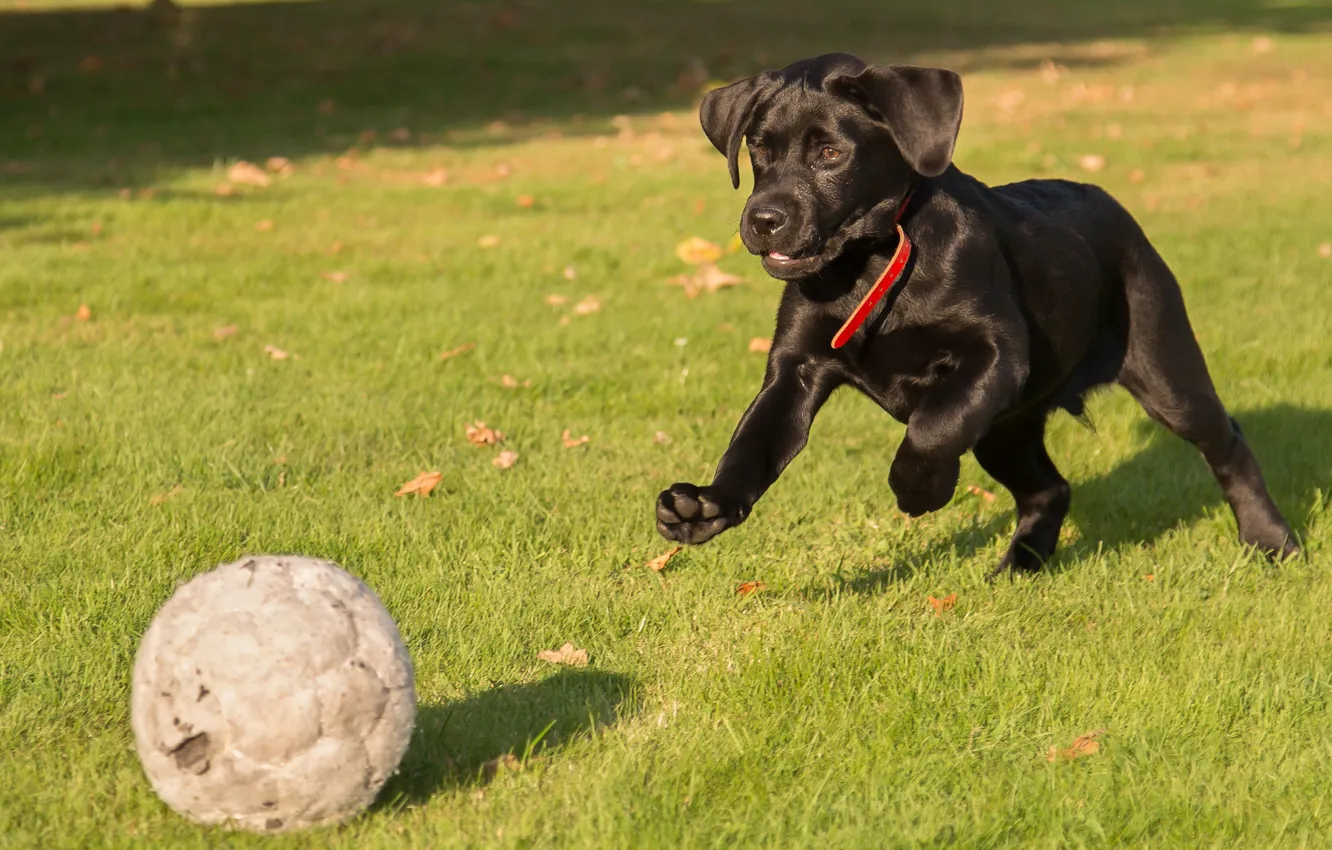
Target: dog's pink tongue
x=776 y=255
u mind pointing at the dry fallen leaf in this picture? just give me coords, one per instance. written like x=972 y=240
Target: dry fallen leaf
x=1137 y=175
x=225 y=331
x=658 y=563
x=335 y=277
x=571 y=441
x=421 y=485
x=1085 y=745
x=586 y=306
x=760 y=344
x=490 y=240
x=745 y=588
x=509 y=382
x=525 y=201
x=564 y=655
x=248 y=174
x=696 y=251
x=83 y=314
x=435 y=177
x=159 y=498
x=223 y=190
x=942 y=605
x=1325 y=250
x=479 y=435
x=454 y=352
x=1091 y=162
x=661 y=438
x=264 y=224
x=279 y=165
x=707 y=278
x=570 y=273
x=508 y=761
x=984 y=494
x=276 y=353
x=504 y=459
x=556 y=300
x=1149 y=577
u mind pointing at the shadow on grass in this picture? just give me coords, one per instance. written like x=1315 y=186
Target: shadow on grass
x=459 y=744
x=1161 y=488
x=119 y=95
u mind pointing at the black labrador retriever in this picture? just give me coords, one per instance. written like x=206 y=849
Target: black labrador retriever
x=968 y=313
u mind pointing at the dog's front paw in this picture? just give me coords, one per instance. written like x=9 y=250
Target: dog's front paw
x=921 y=485
x=693 y=515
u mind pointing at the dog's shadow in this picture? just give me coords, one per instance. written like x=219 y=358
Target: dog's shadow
x=467 y=742
x=1162 y=487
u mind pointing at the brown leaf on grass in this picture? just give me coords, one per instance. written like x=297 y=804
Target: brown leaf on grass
x=225 y=331
x=661 y=438
x=490 y=240
x=276 y=353
x=1091 y=162
x=658 y=563
x=707 y=278
x=745 y=588
x=525 y=201
x=83 y=314
x=566 y=654
x=454 y=352
x=1137 y=175
x=984 y=494
x=263 y=224
x=1084 y=745
x=556 y=300
x=224 y=190
x=158 y=498
x=571 y=441
x=942 y=605
x=1149 y=577
x=480 y=435
x=509 y=382
x=508 y=761
x=504 y=459
x=570 y=273
x=586 y=306
x=59 y=396
x=760 y=344
x=435 y=177
x=421 y=485
x=280 y=166
x=1325 y=250
x=248 y=174
x=697 y=251
x=336 y=277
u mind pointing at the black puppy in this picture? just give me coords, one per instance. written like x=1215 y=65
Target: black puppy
x=987 y=309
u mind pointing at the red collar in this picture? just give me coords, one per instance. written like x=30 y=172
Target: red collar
x=891 y=275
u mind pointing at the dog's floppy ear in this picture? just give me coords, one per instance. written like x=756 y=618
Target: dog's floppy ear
x=725 y=115
x=921 y=106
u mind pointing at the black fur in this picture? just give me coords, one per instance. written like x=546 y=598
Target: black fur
x=1018 y=301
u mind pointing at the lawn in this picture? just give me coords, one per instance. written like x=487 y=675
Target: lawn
x=451 y=167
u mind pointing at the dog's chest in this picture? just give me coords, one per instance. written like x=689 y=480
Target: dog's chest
x=896 y=369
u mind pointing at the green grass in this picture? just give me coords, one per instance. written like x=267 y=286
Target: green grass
x=831 y=707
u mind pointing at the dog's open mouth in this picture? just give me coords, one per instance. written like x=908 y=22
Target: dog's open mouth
x=777 y=261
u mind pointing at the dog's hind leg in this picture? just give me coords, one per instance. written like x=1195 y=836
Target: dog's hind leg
x=1014 y=454
x=1165 y=371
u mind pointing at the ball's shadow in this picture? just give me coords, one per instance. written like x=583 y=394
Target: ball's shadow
x=468 y=741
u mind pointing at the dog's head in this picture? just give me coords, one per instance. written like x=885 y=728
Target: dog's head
x=834 y=145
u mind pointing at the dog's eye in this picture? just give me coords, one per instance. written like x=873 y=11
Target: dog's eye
x=758 y=150
x=830 y=153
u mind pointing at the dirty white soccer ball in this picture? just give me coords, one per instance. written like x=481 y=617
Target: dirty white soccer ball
x=272 y=694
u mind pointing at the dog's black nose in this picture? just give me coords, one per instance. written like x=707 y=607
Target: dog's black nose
x=767 y=220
